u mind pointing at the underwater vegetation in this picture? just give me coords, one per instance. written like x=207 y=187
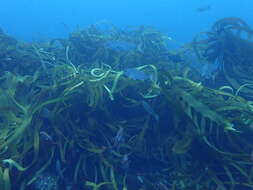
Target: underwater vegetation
x=117 y=109
x=228 y=44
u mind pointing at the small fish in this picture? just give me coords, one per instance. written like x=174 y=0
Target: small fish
x=140 y=178
x=118 y=139
x=125 y=162
x=46 y=137
x=162 y=186
x=136 y=74
x=140 y=48
x=149 y=110
x=45 y=113
x=59 y=169
x=204 y=9
x=8 y=59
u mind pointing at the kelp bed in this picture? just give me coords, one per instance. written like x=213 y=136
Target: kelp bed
x=72 y=119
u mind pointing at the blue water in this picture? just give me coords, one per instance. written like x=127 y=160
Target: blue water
x=43 y=19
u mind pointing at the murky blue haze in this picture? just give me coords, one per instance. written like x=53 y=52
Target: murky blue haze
x=43 y=19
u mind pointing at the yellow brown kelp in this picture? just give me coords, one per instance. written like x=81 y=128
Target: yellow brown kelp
x=228 y=44
x=76 y=120
x=218 y=119
x=52 y=88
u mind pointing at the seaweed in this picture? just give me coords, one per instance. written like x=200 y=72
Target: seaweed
x=229 y=45
x=71 y=118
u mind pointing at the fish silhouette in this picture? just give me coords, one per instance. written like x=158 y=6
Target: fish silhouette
x=149 y=110
x=136 y=74
x=204 y=9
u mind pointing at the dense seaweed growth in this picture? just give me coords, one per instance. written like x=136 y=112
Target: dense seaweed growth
x=117 y=109
x=229 y=45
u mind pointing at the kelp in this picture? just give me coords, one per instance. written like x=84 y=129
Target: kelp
x=212 y=117
x=184 y=143
x=96 y=186
x=228 y=44
x=76 y=114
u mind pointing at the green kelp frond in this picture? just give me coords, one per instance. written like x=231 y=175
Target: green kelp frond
x=71 y=110
x=12 y=163
x=96 y=186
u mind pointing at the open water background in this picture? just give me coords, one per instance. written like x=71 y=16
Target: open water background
x=43 y=19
